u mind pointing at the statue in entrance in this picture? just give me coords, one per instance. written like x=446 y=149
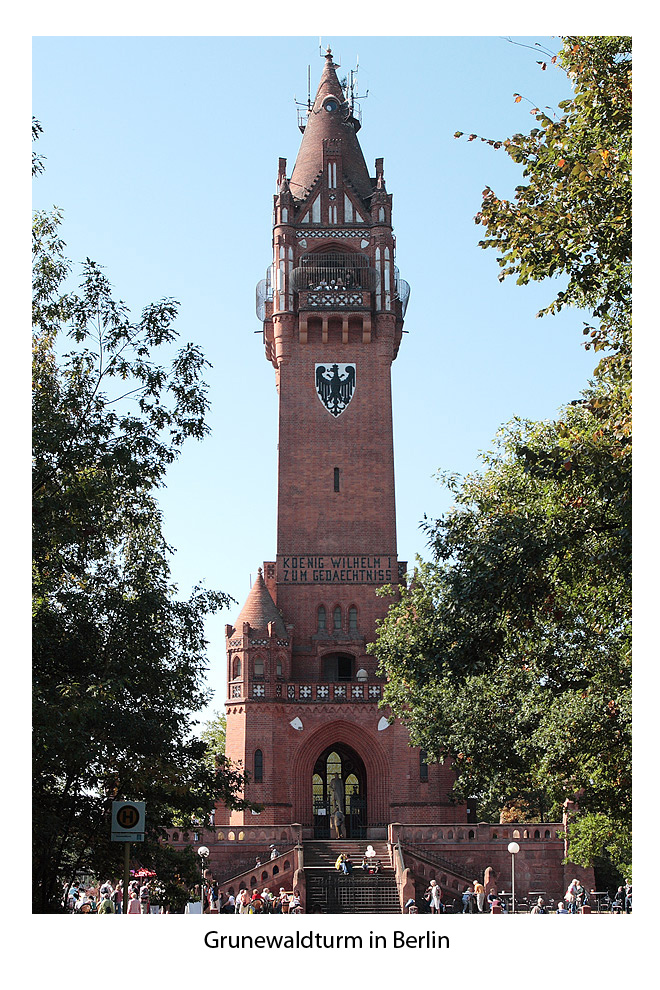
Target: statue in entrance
x=336 y=795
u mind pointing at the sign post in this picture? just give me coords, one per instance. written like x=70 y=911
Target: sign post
x=127 y=876
x=127 y=826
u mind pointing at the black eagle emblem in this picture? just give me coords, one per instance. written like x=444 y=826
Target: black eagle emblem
x=335 y=385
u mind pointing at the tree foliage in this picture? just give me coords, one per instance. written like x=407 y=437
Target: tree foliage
x=214 y=735
x=118 y=657
x=510 y=651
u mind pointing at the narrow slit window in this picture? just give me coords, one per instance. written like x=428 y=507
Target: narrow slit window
x=258 y=766
x=336 y=479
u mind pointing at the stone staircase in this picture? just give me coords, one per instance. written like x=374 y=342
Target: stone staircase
x=332 y=892
x=324 y=852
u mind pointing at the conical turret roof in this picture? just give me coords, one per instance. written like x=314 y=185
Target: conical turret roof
x=330 y=117
x=260 y=609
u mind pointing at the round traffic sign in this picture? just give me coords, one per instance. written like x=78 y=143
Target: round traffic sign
x=127 y=816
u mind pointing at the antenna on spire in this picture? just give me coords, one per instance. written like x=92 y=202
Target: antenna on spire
x=352 y=93
x=305 y=110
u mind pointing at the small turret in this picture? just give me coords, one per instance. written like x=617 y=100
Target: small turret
x=259 y=611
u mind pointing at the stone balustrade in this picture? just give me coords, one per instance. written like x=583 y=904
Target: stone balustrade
x=322 y=693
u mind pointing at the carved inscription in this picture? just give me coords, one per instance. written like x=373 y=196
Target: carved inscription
x=338 y=569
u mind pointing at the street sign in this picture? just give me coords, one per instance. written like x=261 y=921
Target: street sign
x=127 y=821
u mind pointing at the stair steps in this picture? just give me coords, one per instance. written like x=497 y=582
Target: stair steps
x=324 y=852
x=332 y=892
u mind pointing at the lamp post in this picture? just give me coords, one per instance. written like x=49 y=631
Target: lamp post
x=513 y=848
x=203 y=853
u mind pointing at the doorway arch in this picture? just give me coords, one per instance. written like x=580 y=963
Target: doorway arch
x=339 y=762
x=362 y=740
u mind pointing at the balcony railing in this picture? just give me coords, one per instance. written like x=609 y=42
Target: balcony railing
x=334 y=272
x=336 y=692
x=334 y=298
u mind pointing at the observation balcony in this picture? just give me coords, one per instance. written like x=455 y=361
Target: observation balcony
x=334 y=272
x=331 y=282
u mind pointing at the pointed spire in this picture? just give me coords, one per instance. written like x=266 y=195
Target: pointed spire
x=330 y=117
x=260 y=609
x=329 y=84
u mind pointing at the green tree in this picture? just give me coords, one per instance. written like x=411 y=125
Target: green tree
x=510 y=651
x=118 y=657
x=573 y=214
x=214 y=734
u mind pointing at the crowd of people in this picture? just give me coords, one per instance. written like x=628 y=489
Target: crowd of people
x=252 y=902
x=108 y=898
x=474 y=900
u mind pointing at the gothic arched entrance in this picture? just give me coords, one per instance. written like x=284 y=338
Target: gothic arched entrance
x=339 y=779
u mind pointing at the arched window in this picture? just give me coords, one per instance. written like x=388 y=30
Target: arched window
x=336 y=618
x=423 y=766
x=321 y=618
x=237 y=668
x=352 y=620
x=258 y=766
x=317 y=792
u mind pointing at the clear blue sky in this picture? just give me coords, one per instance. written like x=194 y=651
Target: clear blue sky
x=163 y=153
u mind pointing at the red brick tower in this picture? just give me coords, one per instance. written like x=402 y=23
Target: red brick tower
x=303 y=692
